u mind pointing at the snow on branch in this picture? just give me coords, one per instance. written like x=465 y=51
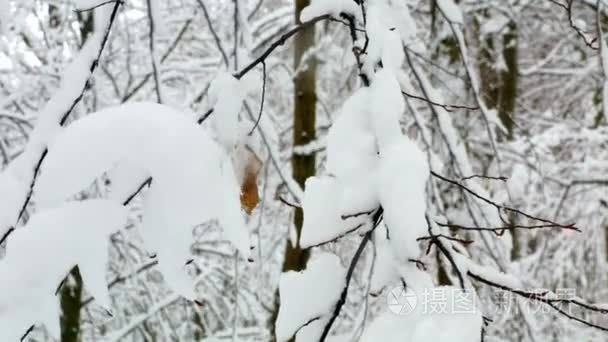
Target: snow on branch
x=75 y=233
x=309 y=296
x=193 y=180
x=334 y=8
x=22 y=173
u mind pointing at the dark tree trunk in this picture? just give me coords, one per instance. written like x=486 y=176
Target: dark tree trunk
x=71 y=301
x=304 y=120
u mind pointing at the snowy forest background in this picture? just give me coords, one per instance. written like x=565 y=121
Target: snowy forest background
x=488 y=122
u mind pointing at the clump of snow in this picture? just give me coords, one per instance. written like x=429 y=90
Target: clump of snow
x=76 y=233
x=385 y=263
x=345 y=155
x=352 y=154
x=334 y=8
x=73 y=81
x=402 y=169
x=403 y=21
x=322 y=216
x=226 y=96
x=402 y=180
x=193 y=179
x=310 y=294
x=451 y=11
x=387 y=107
x=384 y=38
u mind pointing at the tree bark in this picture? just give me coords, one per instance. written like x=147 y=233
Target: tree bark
x=304 y=120
x=71 y=301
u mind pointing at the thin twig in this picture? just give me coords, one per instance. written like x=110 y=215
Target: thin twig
x=213 y=32
x=447 y=107
x=78 y=10
x=257 y=122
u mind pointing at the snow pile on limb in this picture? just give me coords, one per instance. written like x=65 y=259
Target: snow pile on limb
x=309 y=296
x=331 y=202
x=334 y=8
x=352 y=154
x=370 y=164
x=73 y=81
x=226 y=95
x=321 y=203
x=384 y=37
x=193 y=178
x=40 y=254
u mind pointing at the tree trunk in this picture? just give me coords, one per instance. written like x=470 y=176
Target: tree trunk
x=304 y=119
x=508 y=89
x=506 y=107
x=71 y=301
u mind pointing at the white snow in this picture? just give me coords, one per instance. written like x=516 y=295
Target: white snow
x=403 y=21
x=86 y=4
x=385 y=37
x=334 y=8
x=160 y=26
x=322 y=217
x=402 y=171
x=193 y=180
x=451 y=11
x=309 y=294
x=401 y=184
x=41 y=253
x=125 y=179
x=73 y=82
x=312 y=332
x=387 y=107
x=352 y=154
x=385 y=265
x=226 y=97
x=11 y=192
x=5 y=16
x=459 y=322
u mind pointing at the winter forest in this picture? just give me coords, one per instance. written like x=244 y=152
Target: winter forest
x=306 y=170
